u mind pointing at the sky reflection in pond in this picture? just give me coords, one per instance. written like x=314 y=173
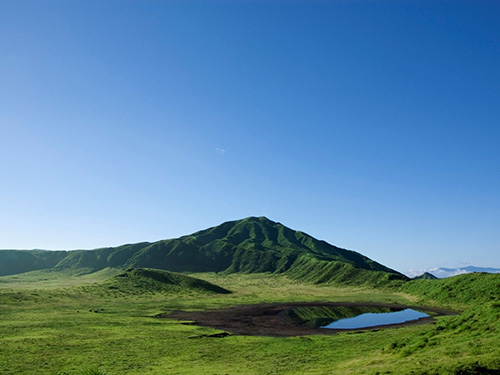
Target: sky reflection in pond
x=377 y=319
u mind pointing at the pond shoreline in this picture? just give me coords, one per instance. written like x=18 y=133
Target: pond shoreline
x=265 y=319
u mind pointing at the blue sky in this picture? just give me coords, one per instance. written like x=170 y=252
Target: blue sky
x=373 y=125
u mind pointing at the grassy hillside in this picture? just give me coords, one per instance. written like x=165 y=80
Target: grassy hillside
x=51 y=331
x=244 y=246
x=311 y=269
x=249 y=245
x=472 y=336
x=148 y=281
x=100 y=258
x=458 y=291
x=19 y=261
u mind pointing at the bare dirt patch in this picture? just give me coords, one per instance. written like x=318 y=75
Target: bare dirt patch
x=267 y=319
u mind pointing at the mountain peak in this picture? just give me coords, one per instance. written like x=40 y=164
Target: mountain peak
x=252 y=244
x=426 y=276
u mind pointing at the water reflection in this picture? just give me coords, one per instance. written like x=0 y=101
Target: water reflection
x=349 y=317
x=377 y=319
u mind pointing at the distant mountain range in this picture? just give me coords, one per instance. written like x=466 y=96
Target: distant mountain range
x=442 y=272
x=254 y=244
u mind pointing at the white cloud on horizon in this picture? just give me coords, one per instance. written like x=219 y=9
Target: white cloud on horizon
x=444 y=272
x=437 y=271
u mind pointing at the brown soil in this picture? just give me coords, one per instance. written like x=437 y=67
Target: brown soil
x=265 y=319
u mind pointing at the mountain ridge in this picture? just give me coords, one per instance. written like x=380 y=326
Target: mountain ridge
x=253 y=244
x=426 y=276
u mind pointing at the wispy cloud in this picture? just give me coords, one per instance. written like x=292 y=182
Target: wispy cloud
x=221 y=151
x=437 y=271
x=443 y=272
x=413 y=273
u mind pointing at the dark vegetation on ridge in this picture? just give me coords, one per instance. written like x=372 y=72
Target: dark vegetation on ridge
x=426 y=276
x=19 y=261
x=250 y=245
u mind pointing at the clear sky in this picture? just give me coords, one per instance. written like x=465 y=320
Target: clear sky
x=374 y=125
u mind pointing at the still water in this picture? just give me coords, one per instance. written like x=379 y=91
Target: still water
x=377 y=319
x=350 y=317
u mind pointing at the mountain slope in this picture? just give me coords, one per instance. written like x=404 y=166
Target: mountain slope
x=472 y=289
x=20 y=261
x=426 y=276
x=249 y=245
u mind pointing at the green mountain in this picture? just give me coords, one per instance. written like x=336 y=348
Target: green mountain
x=20 y=261
x=249 y=245
x=426 y=276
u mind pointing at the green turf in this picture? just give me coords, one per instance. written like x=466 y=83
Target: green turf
x=457 y=292
x=67 y=325
x=151 y=281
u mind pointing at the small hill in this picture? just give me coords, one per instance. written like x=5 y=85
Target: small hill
x=254 y=244
x=145 y=280
x=426 y=276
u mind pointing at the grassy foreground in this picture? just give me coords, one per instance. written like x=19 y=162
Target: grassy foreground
x=52 y=323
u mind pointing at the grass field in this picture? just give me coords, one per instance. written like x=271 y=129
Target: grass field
x=70 y=323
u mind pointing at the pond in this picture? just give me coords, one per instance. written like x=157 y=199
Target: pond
x=350 y=317
x=305 y=318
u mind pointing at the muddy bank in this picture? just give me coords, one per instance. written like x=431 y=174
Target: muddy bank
x=267 y=319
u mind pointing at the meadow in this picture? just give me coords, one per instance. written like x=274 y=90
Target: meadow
x=72 y=323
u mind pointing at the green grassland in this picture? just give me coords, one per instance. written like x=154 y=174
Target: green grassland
x=74 y=322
